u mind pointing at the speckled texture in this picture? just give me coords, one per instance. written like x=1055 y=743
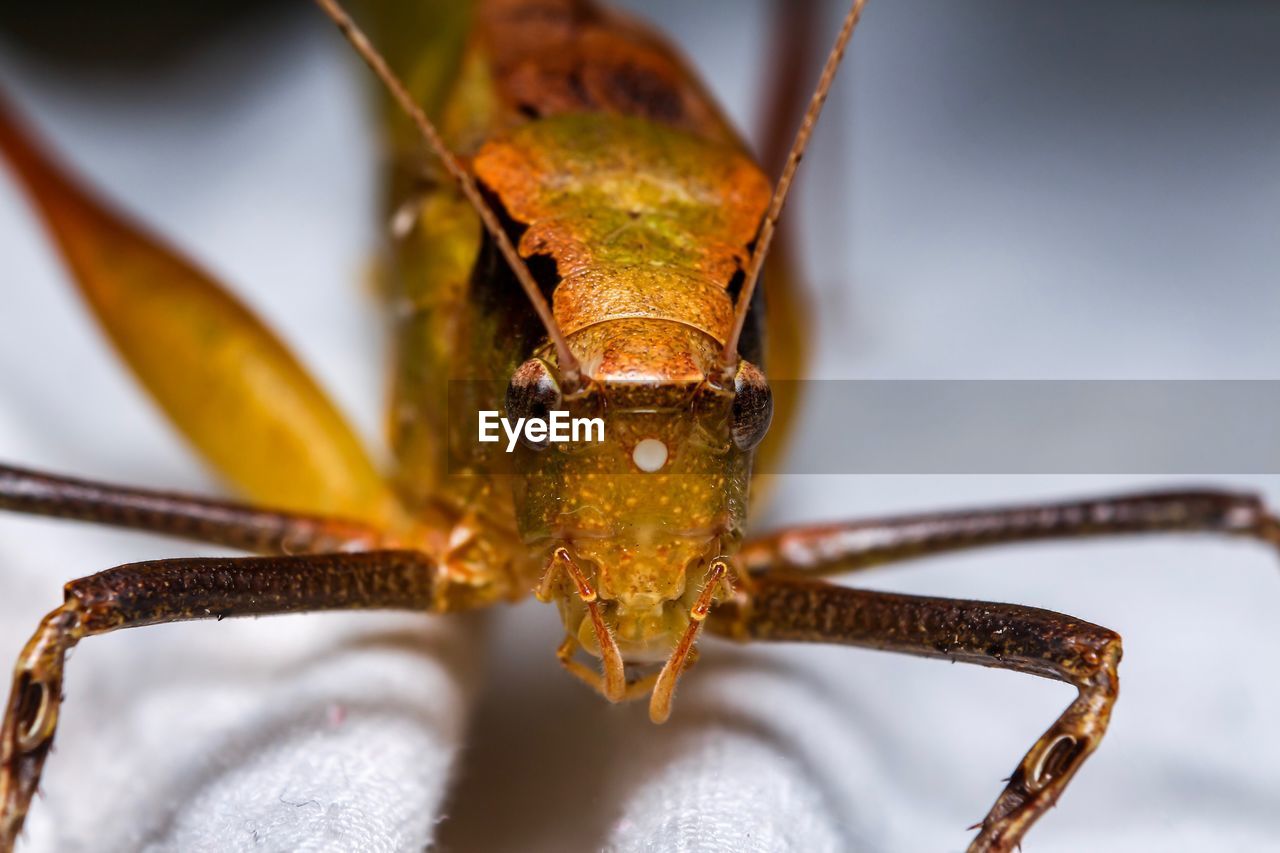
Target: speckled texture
x=1070 y=288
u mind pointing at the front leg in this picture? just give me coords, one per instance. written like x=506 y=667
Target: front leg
x=149 y=593
x=1006 y=636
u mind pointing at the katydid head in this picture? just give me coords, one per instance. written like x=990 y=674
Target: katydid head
x=634 y=525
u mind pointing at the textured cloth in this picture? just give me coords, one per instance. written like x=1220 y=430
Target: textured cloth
x=378 y=732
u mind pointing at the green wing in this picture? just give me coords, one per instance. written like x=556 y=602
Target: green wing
x=225 y=381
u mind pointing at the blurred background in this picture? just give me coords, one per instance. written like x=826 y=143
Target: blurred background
x=998 y=190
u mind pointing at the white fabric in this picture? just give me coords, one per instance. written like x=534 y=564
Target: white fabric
x=384 y=732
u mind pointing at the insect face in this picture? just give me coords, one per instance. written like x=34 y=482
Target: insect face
x=643 y=514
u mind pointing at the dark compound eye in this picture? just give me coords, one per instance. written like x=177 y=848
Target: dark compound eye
x=532 y=393
x=752 y=406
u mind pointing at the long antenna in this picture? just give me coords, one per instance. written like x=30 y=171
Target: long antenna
x=729 y=357
x=569 y=368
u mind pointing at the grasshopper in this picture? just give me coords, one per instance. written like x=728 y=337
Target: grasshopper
x=586 y=225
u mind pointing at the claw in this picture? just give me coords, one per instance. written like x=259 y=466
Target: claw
x=31 y=717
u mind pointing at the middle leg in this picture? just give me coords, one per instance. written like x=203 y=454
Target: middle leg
x=235 y=525
x=826 y=549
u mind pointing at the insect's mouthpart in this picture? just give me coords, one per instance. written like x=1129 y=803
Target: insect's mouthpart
x=612 y=681
x=599 y=628
x=664 y=688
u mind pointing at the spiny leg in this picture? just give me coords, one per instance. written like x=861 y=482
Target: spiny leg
x=830 y=548
x=1006 y=636
x=149 y=593
x=235 y=525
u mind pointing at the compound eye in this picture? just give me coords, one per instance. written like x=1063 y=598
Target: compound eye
x=752 y=407
x=532 y=393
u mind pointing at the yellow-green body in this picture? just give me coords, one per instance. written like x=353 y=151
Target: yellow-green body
x=636 y=206
x=641 y=211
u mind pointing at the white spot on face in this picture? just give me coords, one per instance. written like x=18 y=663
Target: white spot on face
x=650 y=455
